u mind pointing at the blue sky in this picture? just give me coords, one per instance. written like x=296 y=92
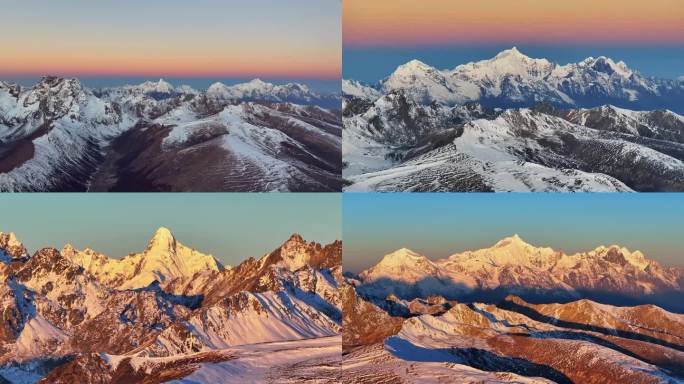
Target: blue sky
x=375 y=63
x=231 y=226
x=439 y=225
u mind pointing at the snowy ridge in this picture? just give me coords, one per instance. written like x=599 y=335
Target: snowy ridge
x=246 y=318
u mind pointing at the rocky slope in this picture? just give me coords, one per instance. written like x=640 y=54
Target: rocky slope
x=61 y=136
x=160 y=314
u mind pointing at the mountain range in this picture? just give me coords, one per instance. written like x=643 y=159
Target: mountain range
x=59 y=135
x=169 y=313
x=588 y=317
x=611 y=274
x=514 y=123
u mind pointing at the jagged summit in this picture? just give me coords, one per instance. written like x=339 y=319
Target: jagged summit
x=607 y=65
x=295 y=237
x=10 y=245
x=162 y=239
x=296 y=253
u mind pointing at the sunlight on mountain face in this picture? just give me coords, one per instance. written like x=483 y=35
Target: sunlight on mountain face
x=169 y=312
x=462 y=318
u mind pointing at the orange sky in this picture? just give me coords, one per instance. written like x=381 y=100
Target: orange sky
x=174 y=38
x=406 y=22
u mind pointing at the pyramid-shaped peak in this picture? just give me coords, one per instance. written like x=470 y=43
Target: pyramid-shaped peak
x=163 y=238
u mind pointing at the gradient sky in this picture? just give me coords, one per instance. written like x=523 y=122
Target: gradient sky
x=382 y=34
x=232 y=227
x=173 y=38
x=438 y=225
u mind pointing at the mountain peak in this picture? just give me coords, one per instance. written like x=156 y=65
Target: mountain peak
x=164 y=86
x=295 y=238
x=161 y=86
x=402 y=256
x=514 y=239
x=162 y=239
x=11 y=245
x=607 y=65
x=512 y=52
x=412 y=67
x=258 y=82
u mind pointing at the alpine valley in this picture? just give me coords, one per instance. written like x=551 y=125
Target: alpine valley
x=514 y=123
x=59 y=135
x=514 y=313
x=170 y=314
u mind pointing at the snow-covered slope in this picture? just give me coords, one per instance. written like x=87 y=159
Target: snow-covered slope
x=518 y=150
x=53 y=133
x=510 y=338
x=245 y=318
x=514 y=341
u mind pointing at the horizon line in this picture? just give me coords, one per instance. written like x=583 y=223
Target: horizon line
x=173 y=75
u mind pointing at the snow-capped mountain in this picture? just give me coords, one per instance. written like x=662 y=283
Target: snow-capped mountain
x=612 y=273
x=170 y=308
x=258 y=90
x=59 y=135
x=512 y=79
x=501 y=125
x=164 y=259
